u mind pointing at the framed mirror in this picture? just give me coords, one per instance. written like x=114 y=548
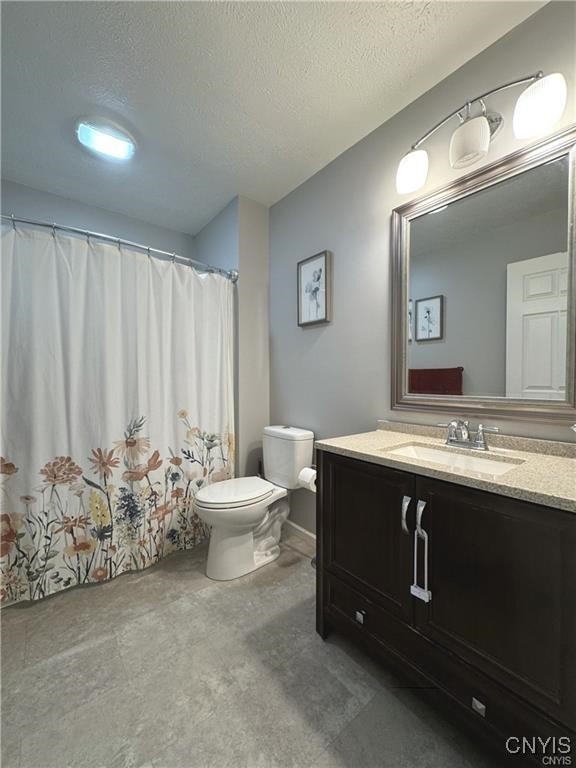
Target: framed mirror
x=484 y=290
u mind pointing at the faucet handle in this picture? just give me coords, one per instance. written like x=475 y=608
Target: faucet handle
x=482 y=428
x=452 y=427
x=480 y=440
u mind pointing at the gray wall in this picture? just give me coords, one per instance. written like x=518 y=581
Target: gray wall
x=32 y=203
x=237 y=238
x=253 y=333
x=335 y=379
x=217 y=243
x=472 y=278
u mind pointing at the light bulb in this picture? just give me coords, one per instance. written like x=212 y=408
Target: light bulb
x=470 y=142
x=412 y=171
x=540 y=106
x=105 y=140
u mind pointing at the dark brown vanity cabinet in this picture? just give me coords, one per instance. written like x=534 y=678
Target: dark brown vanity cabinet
x=490 y=615
x=359 y=496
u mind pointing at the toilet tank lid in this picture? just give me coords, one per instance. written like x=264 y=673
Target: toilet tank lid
x=289 y=433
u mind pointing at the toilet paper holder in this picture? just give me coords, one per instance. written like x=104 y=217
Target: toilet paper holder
x=307 y=478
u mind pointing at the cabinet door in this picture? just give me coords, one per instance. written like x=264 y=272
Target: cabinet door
x=502 y=574
x=364 y=542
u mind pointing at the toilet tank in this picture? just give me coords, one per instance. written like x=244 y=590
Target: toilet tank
x=287 y=450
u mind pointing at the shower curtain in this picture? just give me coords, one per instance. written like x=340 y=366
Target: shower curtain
x=117 y=406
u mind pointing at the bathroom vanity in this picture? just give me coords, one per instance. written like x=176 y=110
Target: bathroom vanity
x=464 y=579
x=457 y=565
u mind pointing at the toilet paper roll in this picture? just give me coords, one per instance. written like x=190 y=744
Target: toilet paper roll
x=307 y=479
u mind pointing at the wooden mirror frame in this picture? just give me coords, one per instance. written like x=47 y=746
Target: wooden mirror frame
x=552 y=148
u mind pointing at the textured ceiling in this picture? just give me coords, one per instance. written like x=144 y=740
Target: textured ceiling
x=223 y=98
x=537 y=191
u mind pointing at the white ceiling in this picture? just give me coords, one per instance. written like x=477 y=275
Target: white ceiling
x=518 y=199
x=224 y=98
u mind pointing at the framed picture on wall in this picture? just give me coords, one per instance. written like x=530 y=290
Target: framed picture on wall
x=315 y=289
x=430 y=318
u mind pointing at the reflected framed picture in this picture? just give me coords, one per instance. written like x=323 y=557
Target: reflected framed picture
x=429 y=319
x=315 y=289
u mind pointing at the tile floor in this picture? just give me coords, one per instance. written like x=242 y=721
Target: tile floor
x=166 y=669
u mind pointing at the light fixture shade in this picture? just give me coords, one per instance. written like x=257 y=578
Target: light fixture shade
x=412 y=171
x=470 y=142
x=105 y=139
x=540 y=106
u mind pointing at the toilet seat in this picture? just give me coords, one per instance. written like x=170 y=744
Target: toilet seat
x=233 y=494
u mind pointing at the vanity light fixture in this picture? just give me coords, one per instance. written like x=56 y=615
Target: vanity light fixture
x=105 y=139
x=537 y=110
x=540 y=106
x=412 y=171
x=470 y=141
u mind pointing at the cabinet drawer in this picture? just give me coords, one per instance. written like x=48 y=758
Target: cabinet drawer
x=506 y=714
x=351 y=605
x=345 y=602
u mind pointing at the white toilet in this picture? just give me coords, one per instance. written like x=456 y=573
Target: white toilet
x=246 y=514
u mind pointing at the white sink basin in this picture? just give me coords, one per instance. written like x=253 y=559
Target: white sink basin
x=456 y=461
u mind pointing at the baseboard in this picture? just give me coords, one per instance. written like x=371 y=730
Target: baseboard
x=300 y=529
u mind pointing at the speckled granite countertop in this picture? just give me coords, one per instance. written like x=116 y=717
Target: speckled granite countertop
x=546 y=474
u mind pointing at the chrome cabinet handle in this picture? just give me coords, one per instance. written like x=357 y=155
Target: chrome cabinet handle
x=422 y=593
x=405 y=504
x=419 y=510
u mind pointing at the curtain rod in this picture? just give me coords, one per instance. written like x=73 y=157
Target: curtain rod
x=231 y=275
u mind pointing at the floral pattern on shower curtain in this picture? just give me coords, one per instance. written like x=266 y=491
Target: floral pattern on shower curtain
x=85 y=497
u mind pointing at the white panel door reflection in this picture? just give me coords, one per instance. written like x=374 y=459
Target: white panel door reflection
x=536 y=317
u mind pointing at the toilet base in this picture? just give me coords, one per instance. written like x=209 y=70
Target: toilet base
x=263 y=558
x=232 y=554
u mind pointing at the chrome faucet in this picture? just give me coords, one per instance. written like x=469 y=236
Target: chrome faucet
x=457 y=432
x=459 y=435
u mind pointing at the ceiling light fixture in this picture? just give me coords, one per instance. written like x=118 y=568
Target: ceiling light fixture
x=105 y=139
x=537 y=110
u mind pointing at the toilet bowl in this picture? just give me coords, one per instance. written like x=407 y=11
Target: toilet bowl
x=246 y=514
x=241 y=513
